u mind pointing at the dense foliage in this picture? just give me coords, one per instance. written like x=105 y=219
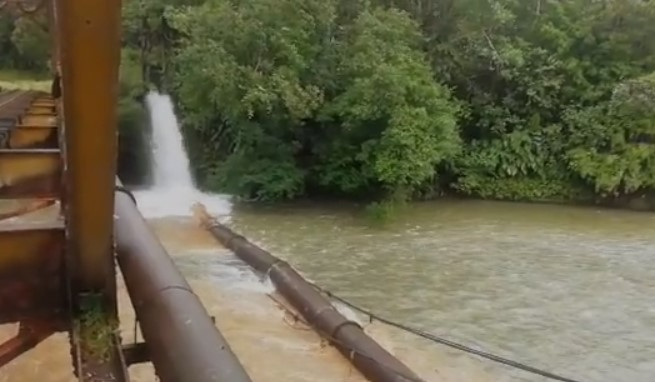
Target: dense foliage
x=509 y=99
x=24 y=41
x=304 y=103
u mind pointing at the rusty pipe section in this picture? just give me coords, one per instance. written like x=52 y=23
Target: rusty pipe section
x=371 y=359
x=183 y=343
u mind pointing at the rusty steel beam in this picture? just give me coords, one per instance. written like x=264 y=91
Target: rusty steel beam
x=31 y=272
x=29 y=336
x=42 y=135
x=29 y=173
x=183 y=343
x=32 y=136
x=38 y=120
x=26 y=209
x=371 y=359
x=13 y=105
x=89 y=49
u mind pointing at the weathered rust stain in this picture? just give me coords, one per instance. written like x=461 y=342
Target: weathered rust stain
x=31 y=270
x=46 y=111
x=29 y=173
x=39 y=120
x=33 y=137
x=30 y=334
x=28 y=208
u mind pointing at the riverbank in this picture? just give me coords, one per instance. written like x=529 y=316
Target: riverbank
x=642 y=202
x=387 y=214
x=639 y=202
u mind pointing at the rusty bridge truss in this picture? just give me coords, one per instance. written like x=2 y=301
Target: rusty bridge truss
x=59 y=275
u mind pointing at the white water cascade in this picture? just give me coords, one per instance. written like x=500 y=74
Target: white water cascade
x=173 y=191
x=169 y=159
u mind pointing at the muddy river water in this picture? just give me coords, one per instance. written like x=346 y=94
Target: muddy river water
x=566 y=289
x=563 y=288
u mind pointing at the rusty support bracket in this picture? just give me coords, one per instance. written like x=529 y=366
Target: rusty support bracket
x=29 y=335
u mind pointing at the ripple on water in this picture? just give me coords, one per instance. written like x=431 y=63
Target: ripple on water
x=563 y=288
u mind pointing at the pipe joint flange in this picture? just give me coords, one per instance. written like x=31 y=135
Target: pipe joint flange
x=342 y=322
x=345 y=323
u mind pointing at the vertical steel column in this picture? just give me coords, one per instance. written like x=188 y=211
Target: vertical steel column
x=90 y=61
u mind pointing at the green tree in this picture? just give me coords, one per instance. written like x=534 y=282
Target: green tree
x=244 y=84
x=615 y=141
x=9 y=54
x=285 y=98
x=508 y=99
x=392 y=123
x=31 y=39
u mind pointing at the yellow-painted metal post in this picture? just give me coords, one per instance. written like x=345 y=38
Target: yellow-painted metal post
x=89 y=47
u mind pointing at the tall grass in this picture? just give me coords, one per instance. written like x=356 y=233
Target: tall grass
x=13 y=79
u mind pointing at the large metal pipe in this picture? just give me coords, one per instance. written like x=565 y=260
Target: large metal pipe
x=371 y=359
x=183 y=342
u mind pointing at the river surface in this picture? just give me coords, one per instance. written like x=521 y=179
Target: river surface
x=566 y=289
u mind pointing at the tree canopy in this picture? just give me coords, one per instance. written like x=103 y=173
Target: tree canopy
x=507 y=99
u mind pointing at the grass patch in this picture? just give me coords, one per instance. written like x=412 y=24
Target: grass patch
x=95 y=328
x=14 y=79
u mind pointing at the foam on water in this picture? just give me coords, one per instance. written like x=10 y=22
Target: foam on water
x=233 y=273
x=177 y=202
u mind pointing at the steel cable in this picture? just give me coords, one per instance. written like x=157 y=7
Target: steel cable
x=429 y=336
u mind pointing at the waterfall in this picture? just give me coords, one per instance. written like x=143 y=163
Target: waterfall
x=169 y=157
x=173 y=191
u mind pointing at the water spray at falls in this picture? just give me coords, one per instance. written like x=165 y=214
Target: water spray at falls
x=169 y=158
x=173 y=191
